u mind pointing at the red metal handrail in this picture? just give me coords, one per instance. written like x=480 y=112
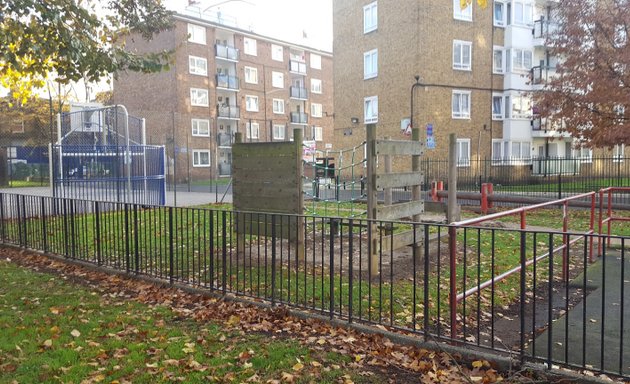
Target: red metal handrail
x=609 y=214
x=522 y=211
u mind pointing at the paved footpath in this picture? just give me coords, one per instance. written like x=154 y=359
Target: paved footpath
x=596 y=331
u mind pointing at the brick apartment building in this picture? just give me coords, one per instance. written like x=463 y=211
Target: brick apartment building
x=226 y=80
x=479 y=66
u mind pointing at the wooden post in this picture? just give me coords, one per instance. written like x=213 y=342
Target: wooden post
x=372 y=195
x=298 y=138
x=452 y=212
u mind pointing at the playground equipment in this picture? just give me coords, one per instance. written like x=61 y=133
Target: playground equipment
x=101 y=154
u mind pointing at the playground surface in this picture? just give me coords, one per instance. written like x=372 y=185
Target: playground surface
x=174 y=199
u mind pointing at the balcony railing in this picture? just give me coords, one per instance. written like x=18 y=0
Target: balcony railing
x=298 y=93
x=225 y=139
x=299 y=118
x=228 y=111
x=297 y=67
x=542 y=28
x=226 y=52
x=229 y=82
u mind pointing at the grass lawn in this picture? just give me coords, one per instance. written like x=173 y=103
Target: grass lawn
x=53 y=330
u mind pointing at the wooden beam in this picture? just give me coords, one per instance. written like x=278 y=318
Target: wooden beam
x=398 y=211
x=399 y=147
x=402 y=239
x=398 y=180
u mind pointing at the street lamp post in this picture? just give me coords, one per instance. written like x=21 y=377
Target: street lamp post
x=413 y=88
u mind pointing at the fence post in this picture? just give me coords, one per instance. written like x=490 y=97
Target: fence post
x=484 y=198
x=171 y=245
x=452 y=242
x=565 y=242
x=273 y=259
x=350 y=268
x=452 y=207
x=135 y=238
x=224 y=250
x=97 y=221
x=331 y=282
x=43 y=209
x=127 y=246
x=2 y=216
x=490 y=187
x=372 y=195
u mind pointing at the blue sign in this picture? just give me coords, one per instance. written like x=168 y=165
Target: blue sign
x=430 y=142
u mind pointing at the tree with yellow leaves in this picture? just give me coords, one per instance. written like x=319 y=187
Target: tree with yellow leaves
x=73 y=40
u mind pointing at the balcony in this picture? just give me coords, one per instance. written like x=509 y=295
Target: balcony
x=541 y=74
x=297 y=67
x=225 y=52
x=225 y=139
x=299 y=118
x=298 y=93
x=541 y=31
x=232 y=112
x=227 y=82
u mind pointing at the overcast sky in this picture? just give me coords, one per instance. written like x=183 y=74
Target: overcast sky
x=282 y=19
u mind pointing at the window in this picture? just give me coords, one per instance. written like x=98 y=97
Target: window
x=370 y=17
x=461 y=105
x=498 y=60
x=521 y=60
x=462 y=14
x=585 y=155
x=253 y=130
x=318 y=134
x=277 y=52
x=618 y=153
x=521 y=107
x=201 y=158
x=316 y=110
x=510 y=152
x=619 y=111
x=499 y=14
x=463 y=152
x=251 y=103
x=316 y=61
x=523 y=13
x=370 y=64
x=497 y=107
x=520 y=150
x=316 y=86
x=250 y=46
x=251 y=75
x=507 y=107
x=200 y=127
x=278 y=106
x=278 y=132
x=196 y=34
x=198 y=97
x=370 y=110
x=462 y=52
x=277 y=79
x=197 y=65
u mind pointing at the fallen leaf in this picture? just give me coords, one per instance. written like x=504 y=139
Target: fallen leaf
x=75 y=333
x=48 y=343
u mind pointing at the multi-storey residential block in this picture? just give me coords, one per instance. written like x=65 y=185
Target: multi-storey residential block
x=478 y=68
x=225 y=80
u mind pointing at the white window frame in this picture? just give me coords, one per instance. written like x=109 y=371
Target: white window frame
x=370 y=17
x=370 y=110
x=579 y=153
x=196 y=34
x=197 y=65
x=318 y=133
x=462 y=14
x=460 y=46
x=619 y=153
x=370 y=64
x=463 y=161
x=196 y=94
x=501 y=22
x=197 y=158
x=525 y=21
x=250 y=46
x=519 y=53
x=525 y=114
x=279 y=132
x=277 y=52
x=316 y=86
x=196 y=128
x=316 y=61
x=277 y=79
x=251 y=75
x=249 y=99
x=316 y=110
x=498 y=115
x=252 y=131
x=495 y=70
x=461 y=114
x=278 y=106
